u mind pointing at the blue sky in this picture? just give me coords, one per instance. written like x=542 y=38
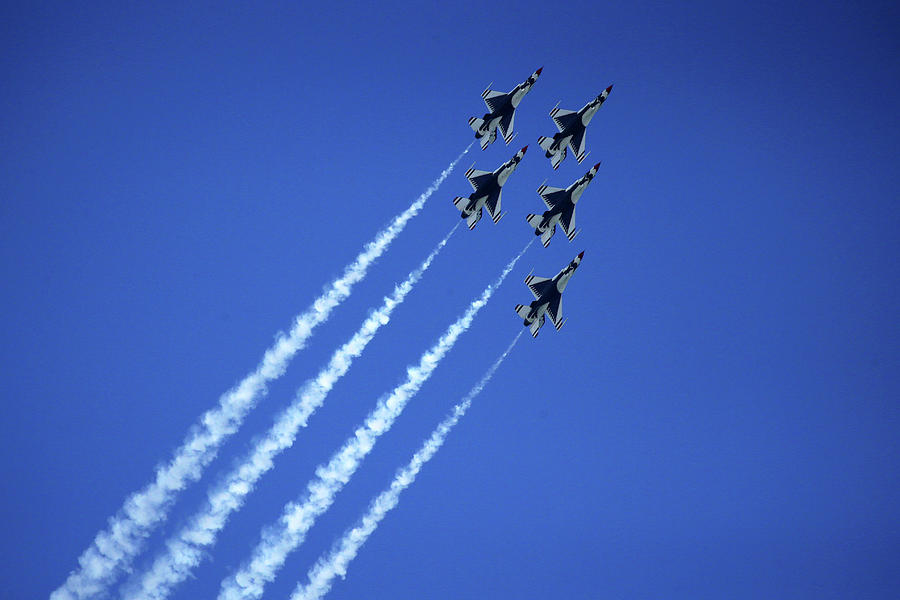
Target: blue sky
x=719 y=417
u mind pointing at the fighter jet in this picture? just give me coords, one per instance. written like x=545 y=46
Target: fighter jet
x=571 y=127
x=548 y=298
x=560 y=208
x=503 y=111
x=487 y=186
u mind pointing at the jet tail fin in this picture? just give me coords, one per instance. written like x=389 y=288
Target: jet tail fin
x=488 y=139
x=545 y=143
x=473 y=219
x=545 y=237
x=533 y=220
x=535 y=326
x=522 y=310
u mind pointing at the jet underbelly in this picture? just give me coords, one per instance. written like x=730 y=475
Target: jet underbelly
x=549 y=220
x=538 y=308
x=475 y=204
x=562 y=141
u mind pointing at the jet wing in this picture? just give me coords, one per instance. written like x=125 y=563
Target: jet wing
x=551 y=196
x=577 y=144
x=567 y=221
x=478 y=178
x=492 y=204
x=563 y=118
x=494 y=100
x=506 y=126
x=538 y=285
x=554 y=311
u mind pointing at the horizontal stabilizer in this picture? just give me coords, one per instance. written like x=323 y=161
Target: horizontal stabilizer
x=473 y=219
x=548 y=233
x=545 y=143
x=561 y=323
x=534 y=220
x=535 y=326
x=575 y=233
x=498 y=217
x=488 y=139
x=522 y=310
x=557 y=158
x=475 y=123
x=460 y=203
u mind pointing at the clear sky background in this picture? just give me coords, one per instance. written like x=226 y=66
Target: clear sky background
x=718 y=419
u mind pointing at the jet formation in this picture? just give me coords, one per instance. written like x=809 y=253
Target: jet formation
x=560 y=202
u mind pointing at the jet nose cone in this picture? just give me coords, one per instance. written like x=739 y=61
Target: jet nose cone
x=523 y=149
x=597 y=166
x=581 y=255
x=609 y=89
x=538 y=72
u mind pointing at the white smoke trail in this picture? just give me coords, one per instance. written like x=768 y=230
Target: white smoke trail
x=326 y=568
x=114 y=548
x=187 y=548
x=290 y=530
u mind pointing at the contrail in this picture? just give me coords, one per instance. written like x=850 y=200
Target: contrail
x=326 y=568
x=115 y=547
x=187 y=548
x=296 y=519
